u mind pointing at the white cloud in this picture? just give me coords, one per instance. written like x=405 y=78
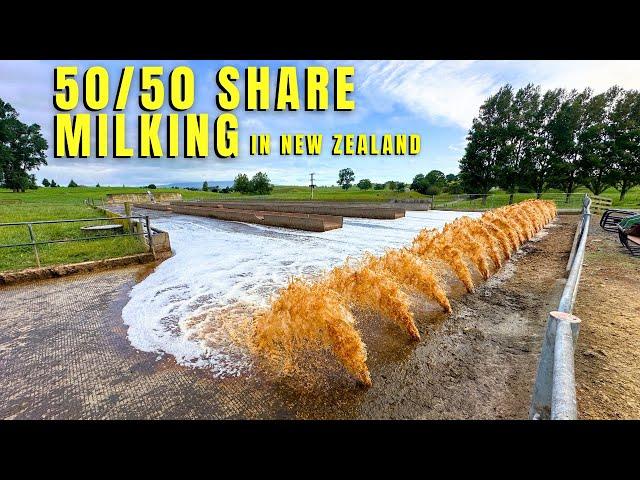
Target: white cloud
x=449 y=93
x=444 y=93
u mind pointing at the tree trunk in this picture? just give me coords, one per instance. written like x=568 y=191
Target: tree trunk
x=569 y=190
x=623 y=190
x=510 y=198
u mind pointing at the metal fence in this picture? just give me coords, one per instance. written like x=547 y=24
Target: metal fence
x=554 y=393
x=472 y=201
x=140 y=227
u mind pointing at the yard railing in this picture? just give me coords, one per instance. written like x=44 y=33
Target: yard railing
x=473 y=201
x=554 y=392
x=138 y=226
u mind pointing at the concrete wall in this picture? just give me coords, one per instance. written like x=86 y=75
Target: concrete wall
x=297 y=221
x=333 y=209
x=142 y=197
x=164 y=207
x=160 y=240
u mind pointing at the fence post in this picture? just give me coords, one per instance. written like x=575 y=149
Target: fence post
x=127 y=213
x=33 y=241
x=146 y=219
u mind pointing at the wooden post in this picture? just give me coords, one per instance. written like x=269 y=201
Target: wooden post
x=33 y=242
x=127 y=213
x=146 y=218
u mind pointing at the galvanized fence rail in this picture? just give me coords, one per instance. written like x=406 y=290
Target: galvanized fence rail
x=554 y=392
x=136 y=232
x=473 y=201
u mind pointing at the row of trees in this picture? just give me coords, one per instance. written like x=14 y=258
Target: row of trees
x=526 y=140
x=346 y=177
x=258 y=185
x=215 y=188
x=436 y=182
x=22 y=148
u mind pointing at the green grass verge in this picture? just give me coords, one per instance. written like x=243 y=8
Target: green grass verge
x=17 y=258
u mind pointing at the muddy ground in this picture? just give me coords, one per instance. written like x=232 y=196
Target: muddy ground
x=64 y=353
x=608 y=354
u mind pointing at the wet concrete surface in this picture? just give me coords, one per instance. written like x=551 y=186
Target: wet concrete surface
x=64 y=354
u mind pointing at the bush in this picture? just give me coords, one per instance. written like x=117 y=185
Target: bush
x=260 y=184
x=378 y=186
x=152 y=186
x=455 y=188
x=365 y=184
x=241 y=183
x=432 y=190
x=72 y=184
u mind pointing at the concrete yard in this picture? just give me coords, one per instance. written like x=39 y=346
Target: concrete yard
x=66 y=350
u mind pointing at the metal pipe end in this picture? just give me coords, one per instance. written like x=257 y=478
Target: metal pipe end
x=567 y=317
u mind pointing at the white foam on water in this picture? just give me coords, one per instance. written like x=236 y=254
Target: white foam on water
x=220 y=264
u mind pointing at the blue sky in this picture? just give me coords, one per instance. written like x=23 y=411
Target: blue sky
x=436 y=99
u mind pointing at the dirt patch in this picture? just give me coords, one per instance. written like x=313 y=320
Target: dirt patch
x=608 y=354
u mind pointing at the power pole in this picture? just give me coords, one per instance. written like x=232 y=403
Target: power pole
x=311 y=184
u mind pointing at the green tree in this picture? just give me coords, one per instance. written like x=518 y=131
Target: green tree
x=451 y=178
x=205 y=186
x=241 y=183
x=436 y=177
x=515 y=134
x=22 y=148
x=46 y=183
x=430 y=184
x=485 y=143
x=400 y=186
x=378 y=186
x=419 y=184
x=346 y=178
x=97 y=185
x=152 y=186
x=565 y=131
x=543 y=158
x=53 y=184
x=391 y=185
x=365 y=184
x=72 y=184
x=260 y=184
x=595 y=166
x=624 y=138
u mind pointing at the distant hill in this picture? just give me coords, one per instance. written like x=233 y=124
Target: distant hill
x=212 y=183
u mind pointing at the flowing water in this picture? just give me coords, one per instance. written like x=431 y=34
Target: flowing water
x=213 y=304
x=222 y=271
